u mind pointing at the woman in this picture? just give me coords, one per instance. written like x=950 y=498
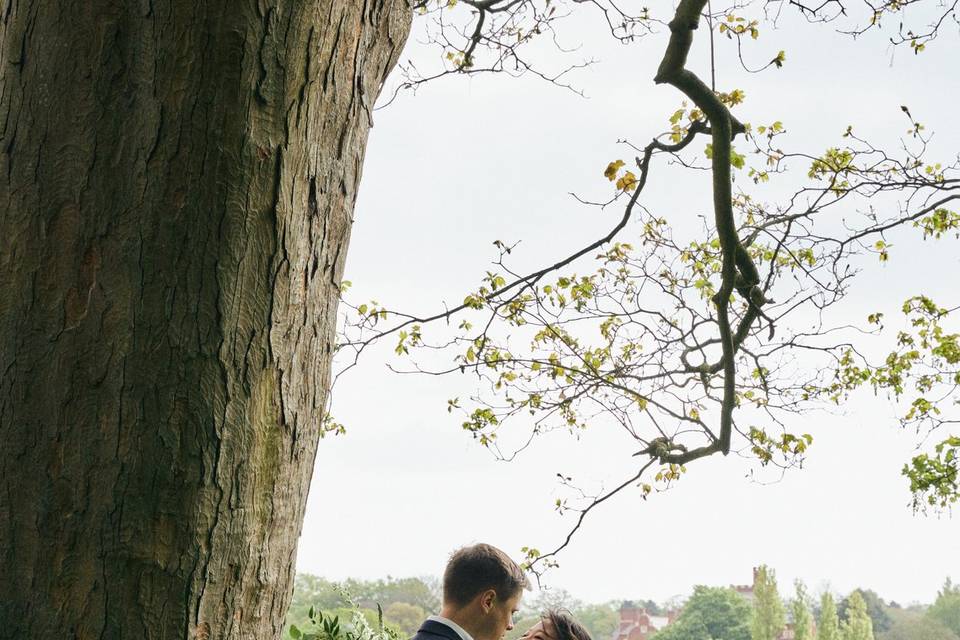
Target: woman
x=556 y=624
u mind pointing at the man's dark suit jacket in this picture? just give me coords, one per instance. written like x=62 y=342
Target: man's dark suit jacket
x=432 y=630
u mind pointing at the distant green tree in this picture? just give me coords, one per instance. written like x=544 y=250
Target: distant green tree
x=858 y=625
x=547 y=599
x=876 y=609
x=946 y=608
x=600 y=619
x=312 y=591
x=691 y=627
x=802 y=621
x=829 y=626
x=712 y=613
x=422 y=592
x=917 y=627
x=768 y=616
x=404 y=616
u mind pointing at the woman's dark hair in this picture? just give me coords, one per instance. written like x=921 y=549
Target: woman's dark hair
x=565 y=625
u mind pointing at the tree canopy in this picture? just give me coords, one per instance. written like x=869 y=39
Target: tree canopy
x=857 y=624
x=711 y=613
x=828 y=626
x=706 y=343
x=769 y=618
x=803 y=628
x=876 y=609
x=946 y=608
x=917 y=627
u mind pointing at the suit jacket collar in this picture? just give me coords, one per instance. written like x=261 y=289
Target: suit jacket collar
x=438 y=629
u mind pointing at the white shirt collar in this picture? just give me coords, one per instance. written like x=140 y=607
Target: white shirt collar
x=453 y=625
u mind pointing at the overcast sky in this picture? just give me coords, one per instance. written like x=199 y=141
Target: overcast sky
x=468 y=161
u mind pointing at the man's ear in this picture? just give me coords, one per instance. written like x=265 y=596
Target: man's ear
x=487 y=599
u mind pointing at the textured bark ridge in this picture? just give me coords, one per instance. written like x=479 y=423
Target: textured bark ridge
x=177 y=181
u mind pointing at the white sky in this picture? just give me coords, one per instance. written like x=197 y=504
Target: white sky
x=468 y=161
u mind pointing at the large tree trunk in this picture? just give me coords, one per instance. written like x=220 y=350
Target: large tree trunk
x=177 y=179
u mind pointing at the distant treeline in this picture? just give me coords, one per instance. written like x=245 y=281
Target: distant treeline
x=406 y=602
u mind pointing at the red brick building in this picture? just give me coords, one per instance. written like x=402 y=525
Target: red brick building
x=637 y=624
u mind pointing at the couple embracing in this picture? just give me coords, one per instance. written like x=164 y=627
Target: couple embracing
x=482 y=588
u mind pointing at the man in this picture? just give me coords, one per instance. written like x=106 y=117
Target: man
x=482 y=587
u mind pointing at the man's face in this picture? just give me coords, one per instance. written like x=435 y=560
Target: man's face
x=500 y=616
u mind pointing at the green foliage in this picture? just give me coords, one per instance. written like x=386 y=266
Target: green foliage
x=405 y=601
x=828 y=627
x=935 y=477
x=921 y=374
x=915 y=626
x=661 y=337
x=312 y=591
x=626 y=181
x=327 y=626
x=768 y=615
x=802 y=620
x=404 y=616
x=946 y=608
x=736 y=160
x=938 y=223
x=422 y=592
x=857 y=625
x=833 y=167
x=765 y=447
x=711 y=613
x=599 y=619
x=876 y=609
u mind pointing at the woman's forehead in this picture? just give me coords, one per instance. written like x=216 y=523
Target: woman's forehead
x=544 y=625
x=548 y=627
x=537 y=627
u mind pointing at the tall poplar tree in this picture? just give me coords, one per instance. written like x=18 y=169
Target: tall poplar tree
x=829 y=626
x=768 y=615
x=802 y=621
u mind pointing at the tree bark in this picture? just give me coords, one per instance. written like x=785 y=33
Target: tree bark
x=177 y=180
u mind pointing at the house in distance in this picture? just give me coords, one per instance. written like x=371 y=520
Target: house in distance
x=636 y=623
